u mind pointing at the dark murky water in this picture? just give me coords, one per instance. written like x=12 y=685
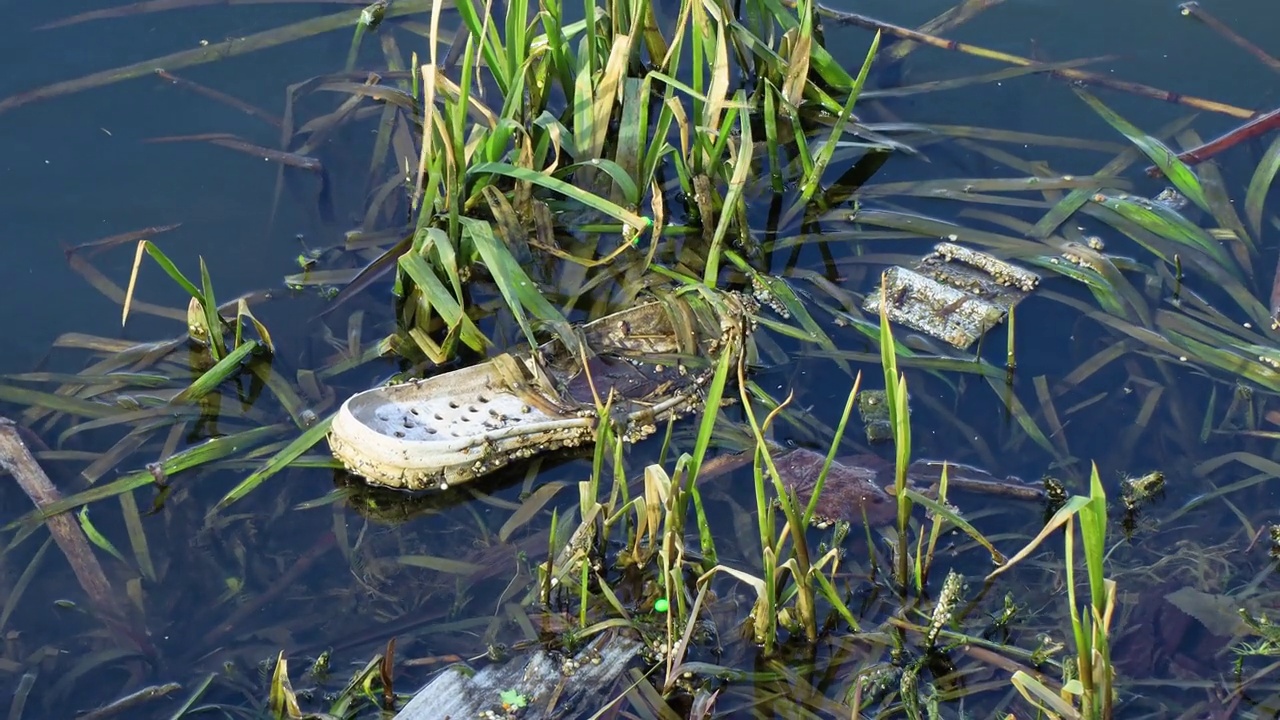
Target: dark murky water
x=75 y=168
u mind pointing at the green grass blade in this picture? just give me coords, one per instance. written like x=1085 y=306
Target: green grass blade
x=440 y=564
x=1059 y=519
x=1103 y=292
x=1093 y=531
x=442 y=301
x=827 y=67
x=888 y=358
x=942 y=510
x=517 y=37
x=1020 y=414
x=216 y=375
x=278 y=462
x=137 y=536
x=1178 y=172
x=733 y=199
x=213 y=52
x=60 y=403
x=195 y=456
x=622 y=178
x=1260 y=185
x=583 y=113
x=517 y=288
x=814 y=176
x=832 y=451
x=1166 y=223
x=195 y=696
x=477 y=21
x=771 y=99
x=568 y=190
x=837 y=599
x=18 y=588
x=557 y=44
x=211 y=317
x=810 y=330
x=97 y=538
x=632 y=131
x=715 y=394
x=172 y=270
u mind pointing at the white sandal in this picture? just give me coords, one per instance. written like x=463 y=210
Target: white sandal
x=648 y=363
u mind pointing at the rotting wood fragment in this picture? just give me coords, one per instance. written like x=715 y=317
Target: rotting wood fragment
x=544 y=685
x=954 y=294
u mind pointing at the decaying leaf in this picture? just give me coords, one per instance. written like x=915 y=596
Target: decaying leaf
x=1220 y=614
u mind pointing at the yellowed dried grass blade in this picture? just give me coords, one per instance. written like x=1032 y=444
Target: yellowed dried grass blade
x=133 y=282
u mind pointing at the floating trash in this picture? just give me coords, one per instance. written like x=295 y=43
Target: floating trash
x=649 y=363
x=1172 y=199
x=536 y=684
x=873 y=407
x=953 y=294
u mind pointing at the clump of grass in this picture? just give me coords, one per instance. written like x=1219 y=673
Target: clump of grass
x=1087 y=689
x=665 y=534
x=489 y=176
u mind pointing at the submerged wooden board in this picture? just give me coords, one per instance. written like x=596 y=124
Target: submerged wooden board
x=551 y=685
x=953 y=294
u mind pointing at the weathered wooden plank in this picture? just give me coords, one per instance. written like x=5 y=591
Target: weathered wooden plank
x=549 y=684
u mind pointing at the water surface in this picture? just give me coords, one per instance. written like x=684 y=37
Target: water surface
x=77 y=168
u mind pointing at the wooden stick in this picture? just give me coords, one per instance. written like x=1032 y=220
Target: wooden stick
x=1193 y=10
x=949 y=20
x=848 y=18
x=1258 y=126
x=17 y=460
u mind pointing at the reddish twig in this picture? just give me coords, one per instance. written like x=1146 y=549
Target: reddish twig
x=1255 y=127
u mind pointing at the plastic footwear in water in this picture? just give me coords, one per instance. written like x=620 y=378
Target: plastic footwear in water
x=647 y=363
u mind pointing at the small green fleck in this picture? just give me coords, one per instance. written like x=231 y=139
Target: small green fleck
x=513 y=699
x=96 y=537
x=661 y=605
